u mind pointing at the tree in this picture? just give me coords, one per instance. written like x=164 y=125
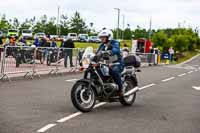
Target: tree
x=140 y=33
x=127 y=34
x=64 y=24
x=4 y=23
x=160 y=40
x=77 y=24
x=16 y=23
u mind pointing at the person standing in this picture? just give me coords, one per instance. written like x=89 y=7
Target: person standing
x=1 y=49
x=171 y=54
x=68 y=46
x=156 y=53
x=150 y=56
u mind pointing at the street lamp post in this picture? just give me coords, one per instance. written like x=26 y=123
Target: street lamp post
x=123 y=28
x=58 y=22
x=118 y=10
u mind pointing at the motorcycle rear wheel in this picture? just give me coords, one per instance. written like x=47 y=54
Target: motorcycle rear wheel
x=128 y=101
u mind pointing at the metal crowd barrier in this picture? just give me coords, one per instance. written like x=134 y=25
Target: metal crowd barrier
x=1 y=58
x=31 y=61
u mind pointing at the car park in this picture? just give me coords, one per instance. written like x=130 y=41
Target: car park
x=27 y=34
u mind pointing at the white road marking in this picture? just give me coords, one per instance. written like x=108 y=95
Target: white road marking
x=196 y=88
x=196 y=65
x=182 y=74
x=77 y=114
x=196 y=70
x=168 y=79
x=147 y=86
x=69 y=117
x=71 y=80
x=190 y=72
x=100 y=104
x=45 y=128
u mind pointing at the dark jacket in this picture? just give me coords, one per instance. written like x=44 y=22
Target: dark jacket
x=68 y=44
x=1 y=42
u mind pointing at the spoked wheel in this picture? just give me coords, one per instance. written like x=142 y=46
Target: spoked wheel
x=129 y=100
x=83 y=97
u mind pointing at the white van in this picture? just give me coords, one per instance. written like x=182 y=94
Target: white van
x=73 y=36
x=27 y=34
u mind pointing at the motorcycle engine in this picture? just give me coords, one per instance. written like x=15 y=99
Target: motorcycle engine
x=110 y=89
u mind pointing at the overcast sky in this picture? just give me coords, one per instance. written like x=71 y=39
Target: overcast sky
x=164 y=13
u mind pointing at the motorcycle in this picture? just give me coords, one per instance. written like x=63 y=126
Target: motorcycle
x=98 y=84
x=24 y=55
x=40 y=55
x=53 y=55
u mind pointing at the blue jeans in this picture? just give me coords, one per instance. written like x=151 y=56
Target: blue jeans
x=116 y=73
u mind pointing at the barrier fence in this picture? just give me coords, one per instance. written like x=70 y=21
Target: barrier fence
x=31 y=61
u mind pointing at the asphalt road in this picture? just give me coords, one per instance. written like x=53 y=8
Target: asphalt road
x=167 y=103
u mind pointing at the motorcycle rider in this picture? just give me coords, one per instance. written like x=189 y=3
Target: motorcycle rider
x=112 y=48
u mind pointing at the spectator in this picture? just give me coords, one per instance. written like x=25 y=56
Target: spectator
x=68 y=51
x=1 y=44
x=1 y=41
x=53 y=43
x=44 y=43
x=156 y=52
x=36 y=42
x=10 y=50
x=22 y=40
x=150 y=54
x=171 y=54
x=125 y=50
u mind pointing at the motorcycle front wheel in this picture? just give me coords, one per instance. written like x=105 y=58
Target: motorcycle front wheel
x=48 y=60
x=83 y=97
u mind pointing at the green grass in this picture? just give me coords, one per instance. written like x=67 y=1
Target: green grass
x=186 y=55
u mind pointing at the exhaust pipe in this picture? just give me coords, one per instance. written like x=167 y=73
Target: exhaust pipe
x=130 y=92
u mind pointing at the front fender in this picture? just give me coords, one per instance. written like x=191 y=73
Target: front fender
x=94 y=87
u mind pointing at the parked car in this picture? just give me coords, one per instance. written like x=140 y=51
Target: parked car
x=83 y=37
x=39 y=35
x=13 y=32
x=27 y=34
x=94 y=39
x=73 y=36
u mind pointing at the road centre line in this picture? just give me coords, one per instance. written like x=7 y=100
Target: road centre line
x=45 y=128
x=190 y=72
x=71 y=80
x=168 y=79
x=78 y=113
x=69 y=117
x=196 y=88
x=180 y=75
x=146 y=86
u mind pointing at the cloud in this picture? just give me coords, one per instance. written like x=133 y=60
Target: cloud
x=164 y=13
